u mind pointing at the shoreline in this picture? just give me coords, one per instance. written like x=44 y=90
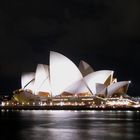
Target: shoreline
x=68 y=108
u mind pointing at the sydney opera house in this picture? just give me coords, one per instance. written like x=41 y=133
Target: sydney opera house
x=63 y=83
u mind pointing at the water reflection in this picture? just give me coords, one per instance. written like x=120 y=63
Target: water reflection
x=69 y=125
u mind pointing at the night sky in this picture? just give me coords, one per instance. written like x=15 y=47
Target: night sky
x=104 y=33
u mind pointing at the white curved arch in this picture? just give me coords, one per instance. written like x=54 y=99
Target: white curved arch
x=97 y=77
x=42 y=82
x=77 y=87
x=63 y=73
x=27 y=80
x=114 y=87
x=85 y=68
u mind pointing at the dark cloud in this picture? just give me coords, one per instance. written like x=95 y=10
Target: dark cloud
x=104 y=33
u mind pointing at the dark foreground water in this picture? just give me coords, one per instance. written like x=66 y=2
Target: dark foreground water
x=69 y=125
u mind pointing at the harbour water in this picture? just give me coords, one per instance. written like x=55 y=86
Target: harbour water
x=69 y=125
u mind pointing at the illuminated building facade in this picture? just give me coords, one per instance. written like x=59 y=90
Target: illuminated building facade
x=63 y=83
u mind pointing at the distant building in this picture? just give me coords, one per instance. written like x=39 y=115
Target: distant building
x=62 y=78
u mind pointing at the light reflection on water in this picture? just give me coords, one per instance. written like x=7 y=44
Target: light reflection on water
x=69 y=125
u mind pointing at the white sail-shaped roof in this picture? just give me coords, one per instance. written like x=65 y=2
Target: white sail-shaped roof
x=114 y=87
x=63 y=73
x=85 y=68
x=97 y=77
x=78 y=87
x=42 y=81
x=100 y=87
x=27 y=80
